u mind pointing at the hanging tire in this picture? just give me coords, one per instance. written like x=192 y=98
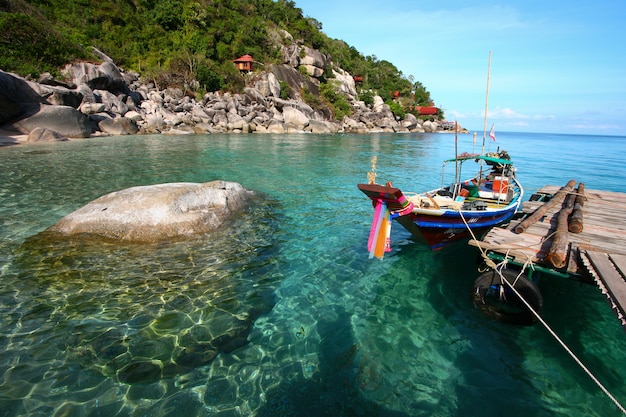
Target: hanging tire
x=497 y=300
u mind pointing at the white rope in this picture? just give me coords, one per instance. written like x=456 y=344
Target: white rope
x=567 y=349
x=498 y=269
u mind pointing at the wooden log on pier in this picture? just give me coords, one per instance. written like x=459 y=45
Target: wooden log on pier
x=598 y=252
x=541 y=211
x=576 y=218
x=557 y=255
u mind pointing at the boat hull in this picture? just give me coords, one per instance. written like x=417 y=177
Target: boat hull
x=439 y=228
x=440 y=231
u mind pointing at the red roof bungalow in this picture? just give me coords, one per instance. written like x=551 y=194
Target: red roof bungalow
x=244 y=63
x=358 y=78
x=426 y=110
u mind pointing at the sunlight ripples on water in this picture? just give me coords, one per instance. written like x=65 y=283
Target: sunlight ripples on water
x=281 y=312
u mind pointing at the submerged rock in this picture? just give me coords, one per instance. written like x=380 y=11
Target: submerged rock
x=42 y=134
x=150 y=312
x=156 y=212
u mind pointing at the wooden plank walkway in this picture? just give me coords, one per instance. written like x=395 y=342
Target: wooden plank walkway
x=598 y=252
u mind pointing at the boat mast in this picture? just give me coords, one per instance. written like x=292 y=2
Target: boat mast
x=456 y=151
x=482 y=151
x=456 y=160
x=486 y=105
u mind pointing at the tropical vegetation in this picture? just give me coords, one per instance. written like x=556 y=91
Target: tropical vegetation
x=185 y=43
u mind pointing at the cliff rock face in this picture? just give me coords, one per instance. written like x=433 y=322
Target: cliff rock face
x=347 y=85
x=156 y=212
x=313 y=61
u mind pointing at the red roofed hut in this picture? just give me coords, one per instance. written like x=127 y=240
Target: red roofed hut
x=244 y=63
x=426 y=110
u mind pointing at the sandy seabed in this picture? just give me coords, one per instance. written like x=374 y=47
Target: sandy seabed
x=11 y=138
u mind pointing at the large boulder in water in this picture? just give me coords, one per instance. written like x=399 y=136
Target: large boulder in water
x=156 y=212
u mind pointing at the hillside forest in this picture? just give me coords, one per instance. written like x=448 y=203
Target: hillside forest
x=188 y=44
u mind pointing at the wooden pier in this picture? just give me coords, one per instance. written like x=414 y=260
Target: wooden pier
x=596 y=254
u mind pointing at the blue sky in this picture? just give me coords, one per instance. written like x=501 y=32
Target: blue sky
x=557 y=67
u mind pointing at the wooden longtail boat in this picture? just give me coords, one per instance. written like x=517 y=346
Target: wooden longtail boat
x=447 y=214
x=462 y=210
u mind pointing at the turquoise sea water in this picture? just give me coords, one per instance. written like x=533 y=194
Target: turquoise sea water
x=281 y=313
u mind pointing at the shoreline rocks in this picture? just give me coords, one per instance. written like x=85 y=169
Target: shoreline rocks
x=102 y=100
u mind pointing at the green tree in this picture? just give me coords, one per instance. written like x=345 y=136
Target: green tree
x=29 y=47
x=422 y=96
x=209 y=79
x=169 y=14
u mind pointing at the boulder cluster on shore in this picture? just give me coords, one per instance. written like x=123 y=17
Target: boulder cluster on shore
x=101 y=99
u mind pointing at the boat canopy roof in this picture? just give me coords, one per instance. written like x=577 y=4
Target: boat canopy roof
x=478 y=157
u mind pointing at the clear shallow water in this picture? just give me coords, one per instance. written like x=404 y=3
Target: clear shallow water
x=282 y=312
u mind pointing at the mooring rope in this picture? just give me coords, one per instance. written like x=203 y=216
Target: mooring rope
x=562 y=343
x=495 y=267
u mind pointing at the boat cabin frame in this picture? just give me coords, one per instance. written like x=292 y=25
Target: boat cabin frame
x=498 y=176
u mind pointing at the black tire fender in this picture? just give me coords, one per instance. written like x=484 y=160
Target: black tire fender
x=497 y=300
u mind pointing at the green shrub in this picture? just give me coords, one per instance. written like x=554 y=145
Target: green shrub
x=341 y=108
x=285 y=90
x=367 y=97
x=336 y=101
x=397 y=109
x=312 y=100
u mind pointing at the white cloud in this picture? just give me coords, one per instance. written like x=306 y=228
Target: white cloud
x=510 y=114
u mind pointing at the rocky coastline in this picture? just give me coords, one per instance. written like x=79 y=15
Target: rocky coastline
x=103 y=100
